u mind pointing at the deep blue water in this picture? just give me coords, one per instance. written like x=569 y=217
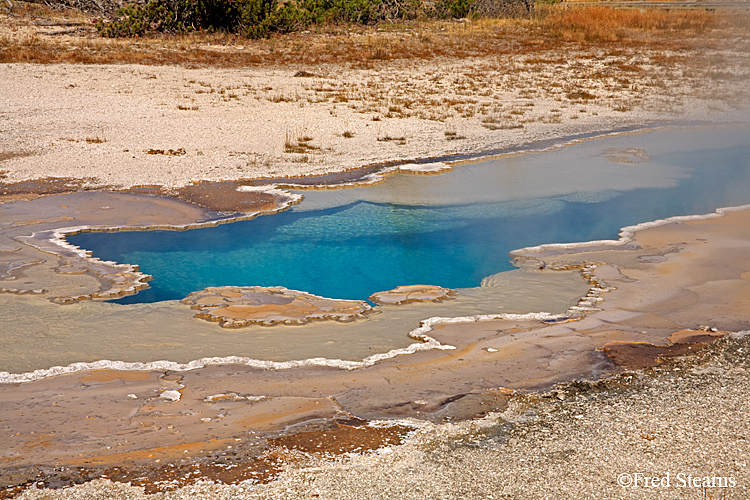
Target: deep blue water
x=361 y=247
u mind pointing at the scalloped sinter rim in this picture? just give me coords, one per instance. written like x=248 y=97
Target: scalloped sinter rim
x=413 y=293
x=627 y=234
x=122 y=279
x=235 y=307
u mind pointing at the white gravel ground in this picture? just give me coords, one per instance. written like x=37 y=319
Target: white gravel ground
x=671 y=432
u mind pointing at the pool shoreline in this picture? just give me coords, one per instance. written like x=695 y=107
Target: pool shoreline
x=231 y=201
x=624 y=279
x=125 y=279
x=189 y=414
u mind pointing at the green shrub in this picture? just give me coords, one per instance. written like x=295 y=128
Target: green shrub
x=453 y=8
x=260 y=18
x=356 y=11
x=502 y=8
x=254 y=17
x=170 y=16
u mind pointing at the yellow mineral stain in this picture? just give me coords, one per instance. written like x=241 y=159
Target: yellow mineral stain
x=160 y=452
x=248 y=311
x=277 y=413
x=692 y=336
x=39 y=440
x=210 y=300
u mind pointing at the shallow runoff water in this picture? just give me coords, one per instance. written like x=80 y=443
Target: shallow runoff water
x=452 y=229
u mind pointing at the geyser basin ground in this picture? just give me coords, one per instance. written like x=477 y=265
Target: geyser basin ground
x=407 y=230
x=668 y=278
x=679 y=275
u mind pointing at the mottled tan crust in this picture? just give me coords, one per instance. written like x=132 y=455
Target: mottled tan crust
x=413 y=293
x=235 y=307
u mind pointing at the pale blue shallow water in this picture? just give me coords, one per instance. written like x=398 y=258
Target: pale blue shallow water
x=450 y=230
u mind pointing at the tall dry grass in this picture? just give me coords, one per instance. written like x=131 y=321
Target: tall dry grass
x=369 y=46
x=606 y=24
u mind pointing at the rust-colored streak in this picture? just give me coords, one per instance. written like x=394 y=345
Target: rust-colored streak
x=169 y=478
x=343 y=439
x=631 y=354
x=280 y=412
x=645 y=354
x=693 y=336
x=224 y=197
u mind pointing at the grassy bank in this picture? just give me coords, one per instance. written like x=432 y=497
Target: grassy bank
x=358 y=45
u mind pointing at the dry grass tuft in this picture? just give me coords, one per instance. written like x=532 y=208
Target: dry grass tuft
x=298 y=145
x=168 y=152
x=387 y=138
x=580 y=95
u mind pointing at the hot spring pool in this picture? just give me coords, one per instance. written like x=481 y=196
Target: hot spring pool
x=452 y=229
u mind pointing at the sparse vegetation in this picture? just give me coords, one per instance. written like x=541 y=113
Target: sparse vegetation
x=387 y=138
x=299 y=144
x=502 y=126
x=499 y=123
x=605 y=24
x=452 y=135
x=580 y=95
x=168 y=152
x=503 y=74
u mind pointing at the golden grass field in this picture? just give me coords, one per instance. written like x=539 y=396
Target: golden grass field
x=362 y=46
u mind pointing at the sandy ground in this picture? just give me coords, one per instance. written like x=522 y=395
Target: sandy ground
x=125 y=125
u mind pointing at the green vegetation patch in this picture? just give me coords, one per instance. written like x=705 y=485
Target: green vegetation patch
x=261 y=18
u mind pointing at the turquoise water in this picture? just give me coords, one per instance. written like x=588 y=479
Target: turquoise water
x=450 y=230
